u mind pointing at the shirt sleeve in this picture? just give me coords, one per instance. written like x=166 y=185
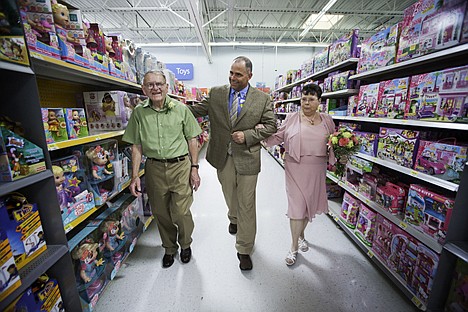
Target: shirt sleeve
x=191 y=126
x=132 y=133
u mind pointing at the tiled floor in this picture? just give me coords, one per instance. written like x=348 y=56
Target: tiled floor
x=332 y=276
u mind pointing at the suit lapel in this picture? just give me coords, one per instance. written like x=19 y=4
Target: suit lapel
x=249 y=99
x=225 y=103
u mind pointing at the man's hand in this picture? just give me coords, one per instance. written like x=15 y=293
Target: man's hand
x=238 y=137
x=195 y=179
x=259 y=126
x=135 y=187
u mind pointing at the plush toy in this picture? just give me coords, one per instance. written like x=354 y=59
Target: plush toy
x=99 y=158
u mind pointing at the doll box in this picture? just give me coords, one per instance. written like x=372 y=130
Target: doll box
x=18 y=157
x=393 y=98
x=13 y=49
x=368 y=185
x=368 y=98
x=350 y=210
x=382 y=245
x=453 y=95
x=341 y=81
x=55 y=125
x=391 y=198
x=40 y=6
x=77 y=127
x=9 y=277
x=428 y=212
x=22 y=225
x=106 y=110
x=365 y=225
x=398 y=146
x=344 y=48
x=444 y=161
x=369 y=142
x=321 y=60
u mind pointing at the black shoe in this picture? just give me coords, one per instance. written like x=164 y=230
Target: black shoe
x=168 y=260
x=245 y=262
x=185 y=255
x=232 y=228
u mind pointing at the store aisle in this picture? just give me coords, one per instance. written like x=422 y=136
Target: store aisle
x=332 y=276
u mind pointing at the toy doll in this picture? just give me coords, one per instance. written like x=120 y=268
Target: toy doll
x=128 y=107
x=64 y=194
x=108 y=105
x=109 y=49
x=76 y=122
x=87 y=255
x=99 y=157
x=13 y=272
x=62 y=23
x=53 y=123
x=15 y=161
x=112 y=239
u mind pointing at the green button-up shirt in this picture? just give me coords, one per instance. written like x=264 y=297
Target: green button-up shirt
x=162 y=134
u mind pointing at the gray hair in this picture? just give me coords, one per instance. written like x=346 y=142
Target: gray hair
x=246 y=60
x=155 y=72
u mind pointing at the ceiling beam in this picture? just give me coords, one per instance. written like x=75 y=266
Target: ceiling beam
x=196 y=17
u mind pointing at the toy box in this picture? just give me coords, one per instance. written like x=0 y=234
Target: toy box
x=341 y=81
x=132 y=219
x=9 y=277
x=428 y=212
x=398 y=146
x=382 y=244
x=424 y=273
x=355 y=170
x=77 y=127
x=445 y=161
x=327 y=84
x=18 y=156
x=368 y=99
x=344 y=48
x=391 y=198
x=70 y=183
x=333 y=189
x=55 y=125
x=13 y=49
x=106 y=110
x=393 y=98
x=379 y=50
x=351 y=126
x=22 y=224
x=353 y=102
x=424 y=96
x=458 y=296
x=368 y=185
x=368 y=141
x=321 y=61
x=453 y=95
x=403 y=256
x=365 y=225
x=350 y=210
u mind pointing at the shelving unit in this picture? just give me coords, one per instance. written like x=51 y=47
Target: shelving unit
x=340 y=93
x=88 y=139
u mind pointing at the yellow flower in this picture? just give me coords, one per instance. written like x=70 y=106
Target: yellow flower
x=350 y=144
x=347 y=134
x=334 y=140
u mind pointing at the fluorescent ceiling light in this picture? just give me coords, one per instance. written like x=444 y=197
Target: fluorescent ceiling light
x=325 y=22
x=318 y=17
x=233 y=43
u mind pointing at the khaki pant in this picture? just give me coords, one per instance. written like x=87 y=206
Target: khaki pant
x=239 y=193
x=170 y=195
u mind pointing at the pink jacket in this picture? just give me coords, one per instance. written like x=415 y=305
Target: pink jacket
x=289 y=133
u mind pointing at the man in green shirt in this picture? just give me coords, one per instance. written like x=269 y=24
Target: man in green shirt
x=165 y=131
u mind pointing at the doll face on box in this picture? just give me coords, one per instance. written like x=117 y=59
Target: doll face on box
x=61 y=15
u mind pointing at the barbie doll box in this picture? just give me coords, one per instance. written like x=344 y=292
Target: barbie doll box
x=106 y=110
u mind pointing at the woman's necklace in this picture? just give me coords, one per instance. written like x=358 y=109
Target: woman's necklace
x=310 y=120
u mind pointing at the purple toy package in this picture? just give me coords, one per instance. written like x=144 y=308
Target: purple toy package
x=424 y=96
x=350 y=210
x=344 y=48
x=393 y=98
x=369 y=142
x=368 y=98
x=398 y=146
x=365 y=226
x=321 y=61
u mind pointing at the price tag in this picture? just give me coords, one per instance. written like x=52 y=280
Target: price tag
x=52 y=147
x=414 y=173
x=370 y=254
x=403 y=225
x=416 y=301
x=335 y=218
x=367 y=201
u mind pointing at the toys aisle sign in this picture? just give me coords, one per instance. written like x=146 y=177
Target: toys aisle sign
x=182 y=71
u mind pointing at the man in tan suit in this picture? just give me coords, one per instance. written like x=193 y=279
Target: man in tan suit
x=234 y=148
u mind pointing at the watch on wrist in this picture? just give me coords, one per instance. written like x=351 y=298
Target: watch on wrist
x=196 y=166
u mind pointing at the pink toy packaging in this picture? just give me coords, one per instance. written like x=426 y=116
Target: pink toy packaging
x=383 y=238
x=445 y=161
x=106 y=110
x=321 y=61
x=77 y=127
x=424 y=273
x=368 y=185
x=344 y=48
x=353 y=102
x=453 y=95
x=398 y=146
x=391 y=197
x=403 y=255
x=424 y=96
x=368 y=99
x=365 y=226
x=379 y=50
x=369 y=142
x=428 y=212
x=393 y=98
x=350 y=210
x=458 y=296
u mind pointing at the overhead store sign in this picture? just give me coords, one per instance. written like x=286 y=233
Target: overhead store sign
x=182 y=71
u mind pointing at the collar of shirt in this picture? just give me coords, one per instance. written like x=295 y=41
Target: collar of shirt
x=148 y=103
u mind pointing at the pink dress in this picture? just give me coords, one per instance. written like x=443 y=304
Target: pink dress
x=306 y=171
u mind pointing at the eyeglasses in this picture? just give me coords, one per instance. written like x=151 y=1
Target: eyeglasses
x=153 y=85
x=307 y=100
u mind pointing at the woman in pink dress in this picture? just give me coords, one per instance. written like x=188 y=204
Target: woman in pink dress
x=305 y=135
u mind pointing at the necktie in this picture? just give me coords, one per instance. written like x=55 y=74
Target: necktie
x=234 y=108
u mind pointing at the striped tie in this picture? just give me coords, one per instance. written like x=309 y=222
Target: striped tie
x=234 y=108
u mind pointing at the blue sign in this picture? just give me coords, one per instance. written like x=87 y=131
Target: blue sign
x=182 y=71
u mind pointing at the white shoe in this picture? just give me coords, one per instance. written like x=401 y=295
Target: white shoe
x=291 y=257
x=303 y=246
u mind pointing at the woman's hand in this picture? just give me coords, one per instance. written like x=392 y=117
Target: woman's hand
x=259 y=126
x=343 y=160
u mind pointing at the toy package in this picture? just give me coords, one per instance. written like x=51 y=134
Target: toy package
x=321 y=61
x=382 y=244
x=9 y=277
x=398 y=146
x=341 y=81
x=368 y=99
x=55 y=125
x=453 y=95
x=18 y=157
x=355 y=170
x=428 y=212
x=393 y=98
x=333 y=189
x=350 y=210
x=344 y=48
x=327 y=84
x=369 y=142
x=365 y=225
x=424 y=97
x=424 y=273
x=353 y=102
x=368 y=185
x=22 y=224
x=77 y=127
x=458 y=296
x=445 y=161
x=106 y=110
x=70 y=183
x=392 y=198
x=379 y=50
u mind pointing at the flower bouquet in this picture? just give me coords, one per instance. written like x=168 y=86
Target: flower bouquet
x=344 y=143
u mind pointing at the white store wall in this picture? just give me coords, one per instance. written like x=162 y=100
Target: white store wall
x=267 y=62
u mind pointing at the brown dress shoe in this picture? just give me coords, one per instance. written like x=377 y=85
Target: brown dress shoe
x=245 y=262
x=232 y=228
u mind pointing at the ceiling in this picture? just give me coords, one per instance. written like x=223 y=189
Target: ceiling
x=210 y=22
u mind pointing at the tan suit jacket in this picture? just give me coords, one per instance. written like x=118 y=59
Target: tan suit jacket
x=256 y=109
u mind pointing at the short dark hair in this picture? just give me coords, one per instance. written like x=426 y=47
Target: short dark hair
x=312 y=89
x=246 y=60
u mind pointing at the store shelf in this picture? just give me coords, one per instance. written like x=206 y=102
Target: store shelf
x=411 y=172
x=340 y=93
x=323 y=73
x=288 y=100
x=334 y=208
x=16 y=68
x=426 y=240
x=88 y=139
x=31 y=272
x=147 y=223
x=176 y=96
x=50 y=67
x=8 y=187
x=283 y=114
x=458 y=248
x=405 y=122
x=438 y=60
